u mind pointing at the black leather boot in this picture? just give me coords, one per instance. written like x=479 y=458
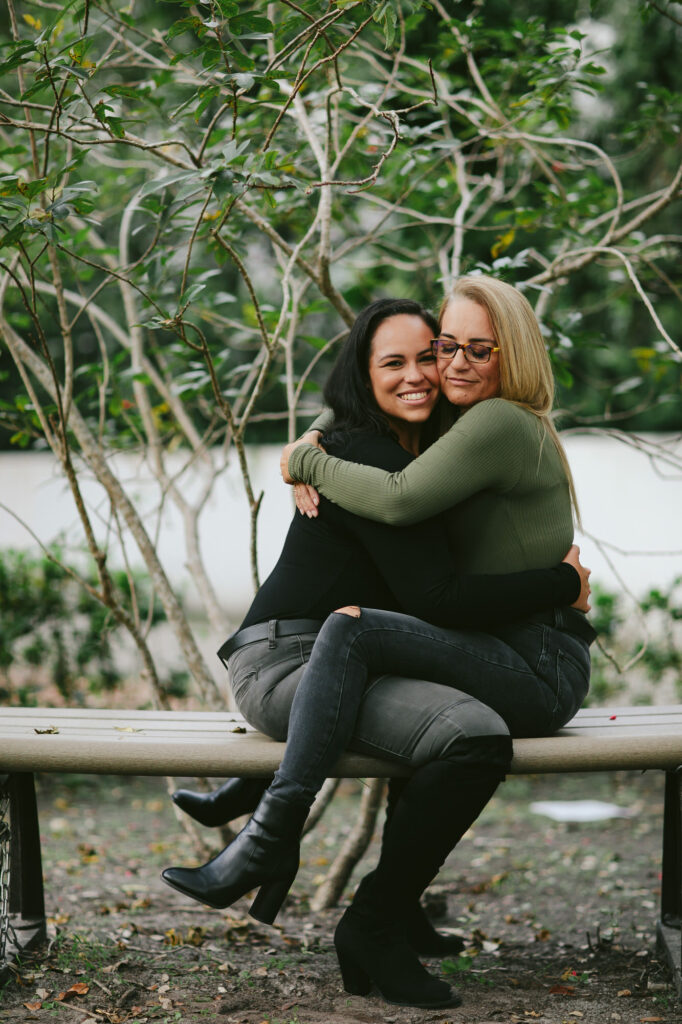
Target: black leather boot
x=419 y=931
x=435 y=808
x=234 y=798
x=372 y=951
x=420 y=934
x=265 y=855
x=427 y=940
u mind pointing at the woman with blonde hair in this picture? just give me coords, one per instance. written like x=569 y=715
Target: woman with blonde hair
x=501 y=479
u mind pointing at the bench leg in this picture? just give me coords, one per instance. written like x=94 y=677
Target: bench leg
x=669 y=929
x=22 y=906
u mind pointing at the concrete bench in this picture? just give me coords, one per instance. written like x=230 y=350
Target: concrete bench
x=221 y=744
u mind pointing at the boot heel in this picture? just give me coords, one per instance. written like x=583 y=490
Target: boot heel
x=356 y=981
x=270 y=898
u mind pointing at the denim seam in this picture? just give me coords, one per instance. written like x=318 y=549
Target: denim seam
x=455 y=647
x=336 y=709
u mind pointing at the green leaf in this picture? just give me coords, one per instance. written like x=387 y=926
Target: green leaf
x=185 y=25
x=20 y=53
x=187 y=297
x=250 y=25
x=12 y=236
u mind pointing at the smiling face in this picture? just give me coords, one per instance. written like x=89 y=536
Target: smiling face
x=403 y=375
x=463 y=383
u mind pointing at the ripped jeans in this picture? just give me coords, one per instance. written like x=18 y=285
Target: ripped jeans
x=391 y=685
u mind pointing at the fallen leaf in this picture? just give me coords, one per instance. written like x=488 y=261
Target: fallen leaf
x=50 y=731
x=562 y=990
x=625 y=992
x=33 y=1006
x=110 y=968
x=238 y=728
x=79 y=989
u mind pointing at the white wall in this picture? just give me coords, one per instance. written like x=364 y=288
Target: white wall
x=627 y=500
x=630 y=497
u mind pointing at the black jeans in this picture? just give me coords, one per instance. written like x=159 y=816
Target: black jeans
x=444 y=689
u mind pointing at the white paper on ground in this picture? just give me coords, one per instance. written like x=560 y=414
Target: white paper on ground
x=579 y=810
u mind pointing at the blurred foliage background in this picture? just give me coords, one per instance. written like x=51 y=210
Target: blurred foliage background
x=196 y=197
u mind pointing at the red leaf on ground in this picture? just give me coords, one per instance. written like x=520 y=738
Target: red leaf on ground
x=562 y=990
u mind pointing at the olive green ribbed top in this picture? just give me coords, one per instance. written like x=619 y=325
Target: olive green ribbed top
x=497 y=473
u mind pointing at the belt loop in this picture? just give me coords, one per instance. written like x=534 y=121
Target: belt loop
x=272 y=630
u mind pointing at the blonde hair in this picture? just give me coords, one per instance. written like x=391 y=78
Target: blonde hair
x=526 y=376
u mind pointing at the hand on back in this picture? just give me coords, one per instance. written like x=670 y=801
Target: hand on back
x=582 y=602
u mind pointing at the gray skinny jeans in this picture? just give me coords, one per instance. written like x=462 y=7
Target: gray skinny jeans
x=525 y=680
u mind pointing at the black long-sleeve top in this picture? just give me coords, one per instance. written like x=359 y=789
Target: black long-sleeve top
x=340 y=558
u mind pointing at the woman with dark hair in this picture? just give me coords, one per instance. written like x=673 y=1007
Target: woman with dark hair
x=382 y=392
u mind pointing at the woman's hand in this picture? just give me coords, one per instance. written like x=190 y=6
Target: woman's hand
x=312 y=437
x=582 y=603
x=307 y=499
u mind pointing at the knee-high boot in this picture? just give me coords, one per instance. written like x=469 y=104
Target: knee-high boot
x=265 y=855
x=234 y=798
x=435 y=809
x=419 y=931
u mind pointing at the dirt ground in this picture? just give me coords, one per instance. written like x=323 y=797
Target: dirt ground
x=559 y=918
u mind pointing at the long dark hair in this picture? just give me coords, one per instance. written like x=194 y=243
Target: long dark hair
x=347 y=392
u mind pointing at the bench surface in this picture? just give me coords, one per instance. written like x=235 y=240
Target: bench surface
x=217 y=744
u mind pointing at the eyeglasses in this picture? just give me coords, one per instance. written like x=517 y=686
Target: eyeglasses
x=474 y=351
